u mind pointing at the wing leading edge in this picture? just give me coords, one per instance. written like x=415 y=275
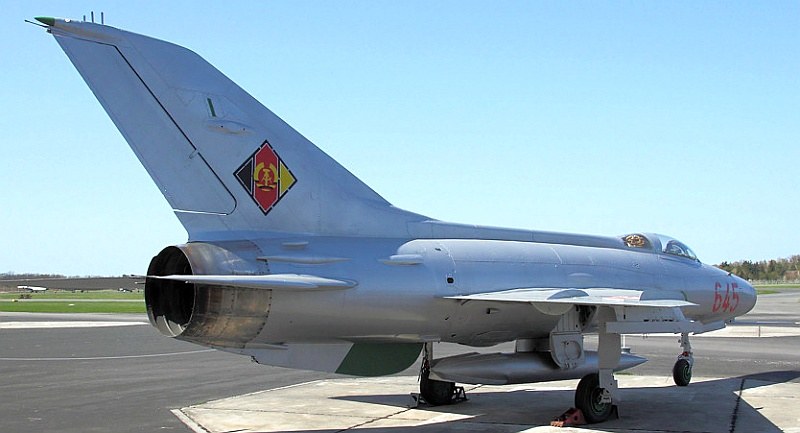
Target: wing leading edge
x=636 y=311
x=609 y=297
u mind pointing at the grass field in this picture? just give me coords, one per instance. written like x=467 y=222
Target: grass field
x=777 y=286
x=88 y=294
x=769 y=289
x=73 y=307
x=95 y=301
x=766 y=291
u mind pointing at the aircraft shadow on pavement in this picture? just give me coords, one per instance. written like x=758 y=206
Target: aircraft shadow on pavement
x=760 y=402
x=708 y=406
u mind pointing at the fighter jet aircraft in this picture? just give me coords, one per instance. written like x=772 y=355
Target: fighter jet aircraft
x=295 y=262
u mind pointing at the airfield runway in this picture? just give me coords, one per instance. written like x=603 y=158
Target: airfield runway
x=84 y=373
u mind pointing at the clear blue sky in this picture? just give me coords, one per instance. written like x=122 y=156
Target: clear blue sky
x=681 y=118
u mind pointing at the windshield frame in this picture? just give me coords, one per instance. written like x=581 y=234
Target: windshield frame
x=659 y=244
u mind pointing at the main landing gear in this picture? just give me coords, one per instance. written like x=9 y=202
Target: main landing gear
x=589 y=399
x=682 y=371
x=437 y=392
x=597 y=392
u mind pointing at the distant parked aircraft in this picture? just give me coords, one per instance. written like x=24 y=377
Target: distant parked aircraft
x=32 y=288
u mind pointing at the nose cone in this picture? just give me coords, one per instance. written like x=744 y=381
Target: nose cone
x=747 y=296
x=48 y=21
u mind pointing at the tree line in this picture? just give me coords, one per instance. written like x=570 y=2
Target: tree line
x=765 y=270
x=27 y=276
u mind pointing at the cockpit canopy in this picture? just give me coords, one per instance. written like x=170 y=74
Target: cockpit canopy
x=659 y=244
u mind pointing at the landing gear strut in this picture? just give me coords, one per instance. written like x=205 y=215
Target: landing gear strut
x=682 y=371
x=597 y=392
x=436 y=392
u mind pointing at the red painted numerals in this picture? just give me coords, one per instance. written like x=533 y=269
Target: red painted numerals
x=725 y=303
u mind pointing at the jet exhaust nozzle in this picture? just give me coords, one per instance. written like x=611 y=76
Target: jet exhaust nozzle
x=216 y=316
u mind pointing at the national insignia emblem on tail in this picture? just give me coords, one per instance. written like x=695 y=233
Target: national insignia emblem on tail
x=265 y=177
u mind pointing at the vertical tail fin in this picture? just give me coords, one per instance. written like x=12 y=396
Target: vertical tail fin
x=224 y=162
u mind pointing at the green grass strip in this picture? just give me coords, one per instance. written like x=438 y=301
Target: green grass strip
x=64 y=294
x=777 y=286
x=766 y=291
x=73 y=307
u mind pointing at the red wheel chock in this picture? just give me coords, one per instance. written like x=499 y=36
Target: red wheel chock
x=569 y=418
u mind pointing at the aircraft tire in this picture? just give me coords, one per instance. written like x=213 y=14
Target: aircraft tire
x=436 y=392
x=587 y=399
x=682 y=372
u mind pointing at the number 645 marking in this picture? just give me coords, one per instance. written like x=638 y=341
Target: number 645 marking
x=727 y=303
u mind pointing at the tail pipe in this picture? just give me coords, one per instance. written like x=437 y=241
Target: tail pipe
x=216 y=316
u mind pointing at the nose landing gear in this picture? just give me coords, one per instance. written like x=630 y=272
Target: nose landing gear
x=682 y=371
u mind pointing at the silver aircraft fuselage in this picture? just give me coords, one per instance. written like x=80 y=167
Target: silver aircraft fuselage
x=402 y=286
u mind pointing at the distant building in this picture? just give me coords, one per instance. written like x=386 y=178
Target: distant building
x=791 y=276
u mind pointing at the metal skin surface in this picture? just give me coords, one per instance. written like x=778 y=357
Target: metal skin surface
x=406 y=302
x=518 y=367
x=295 y=262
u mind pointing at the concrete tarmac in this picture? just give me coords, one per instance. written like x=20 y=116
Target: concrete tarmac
x=114 y=379
x=78 y=373
x=650 y=404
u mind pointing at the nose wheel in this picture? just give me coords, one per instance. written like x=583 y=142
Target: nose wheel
x=682 y=371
